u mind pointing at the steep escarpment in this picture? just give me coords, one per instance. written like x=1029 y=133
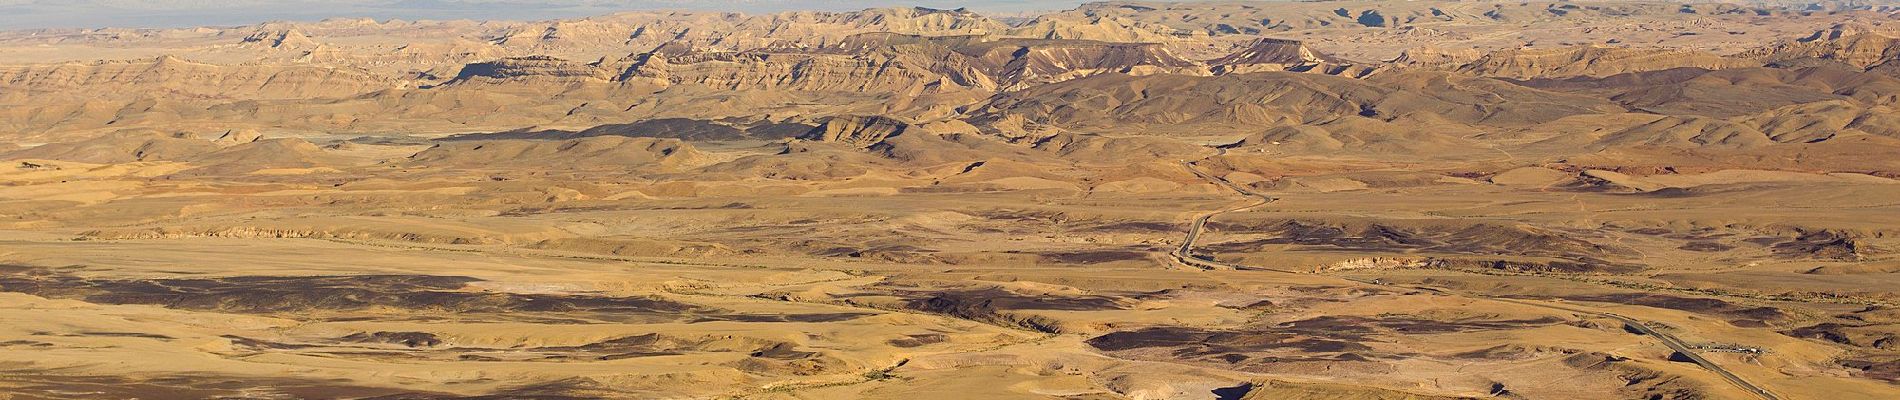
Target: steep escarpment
x=1854 y=45
x=1269 y=54
x=178 y=78
x=367 y=76
x=895 y=62
x=1024 y=62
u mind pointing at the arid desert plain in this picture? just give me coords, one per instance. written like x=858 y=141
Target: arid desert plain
x=1182 y=200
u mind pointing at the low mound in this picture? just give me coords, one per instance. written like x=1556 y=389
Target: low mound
x=1614 y=182
x=934 y=149
x=1603 y=131
x=1006 y=171
x=801 y=161
x=1366 y=180
x=1561 y=62
x=603 y=151
x=1281 y=390
x=1817 y=122
x=1872 y=268
x=635 y=247
x=676 y=128
x=1688 y=130
x=1531 y=176
x=262 y=155
x=122 y=147
x=1351 y=134
x=1730 y=92
x=1094 y=149
x=1429 y=236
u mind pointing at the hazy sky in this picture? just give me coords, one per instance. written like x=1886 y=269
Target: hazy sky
x=29 y=14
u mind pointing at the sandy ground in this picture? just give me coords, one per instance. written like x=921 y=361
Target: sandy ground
x=1575 y=200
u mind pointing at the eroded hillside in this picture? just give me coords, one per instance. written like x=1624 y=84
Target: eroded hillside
x=1306 y=200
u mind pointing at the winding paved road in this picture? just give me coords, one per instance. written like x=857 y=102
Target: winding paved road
x=1683 y=348
x=1185 y=255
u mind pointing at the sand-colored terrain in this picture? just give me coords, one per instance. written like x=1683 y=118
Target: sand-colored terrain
x=1299 y=200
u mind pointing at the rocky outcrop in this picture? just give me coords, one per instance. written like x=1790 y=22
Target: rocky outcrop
x=1020 y=63
x=860 y=131
x=238 y=136
x=1269 y=54
x=1433 y=56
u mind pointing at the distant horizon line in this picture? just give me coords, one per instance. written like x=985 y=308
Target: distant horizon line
x=44 y=18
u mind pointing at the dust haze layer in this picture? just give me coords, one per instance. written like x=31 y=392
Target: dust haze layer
x=1285 y=200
